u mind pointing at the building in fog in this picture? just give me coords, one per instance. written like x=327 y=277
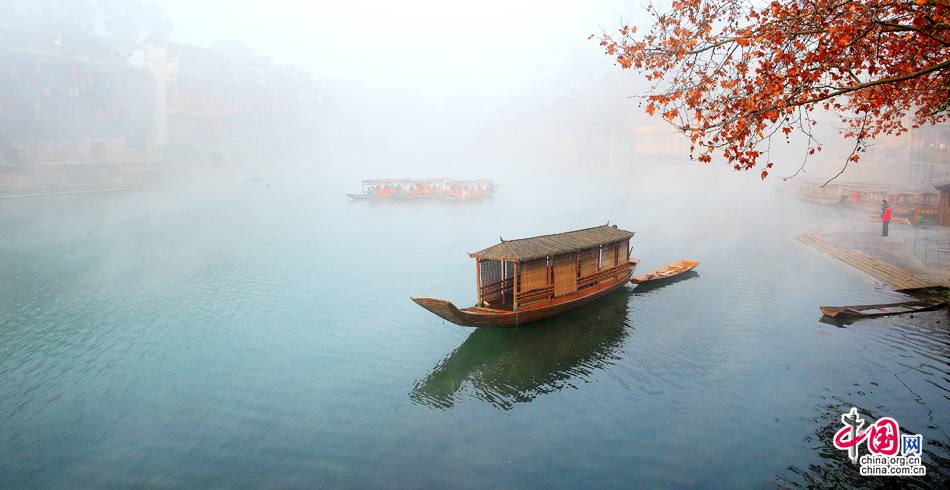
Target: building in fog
x=75 y=110
x=912 y=162
x=75 y=104
x=57 y=108
x=218 y=108
x=661 y=141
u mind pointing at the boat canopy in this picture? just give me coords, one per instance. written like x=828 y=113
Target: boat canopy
x=556 y=244
x=402 y=181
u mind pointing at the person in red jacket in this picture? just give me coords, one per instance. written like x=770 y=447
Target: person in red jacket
x=885 y=217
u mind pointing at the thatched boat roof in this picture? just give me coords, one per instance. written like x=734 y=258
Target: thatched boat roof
x=556 y=244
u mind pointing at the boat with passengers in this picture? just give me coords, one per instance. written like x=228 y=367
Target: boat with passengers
x=411 y=189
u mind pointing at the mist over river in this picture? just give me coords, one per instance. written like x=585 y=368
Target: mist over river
x=260 y=333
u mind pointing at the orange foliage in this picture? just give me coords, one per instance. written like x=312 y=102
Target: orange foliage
x=730 y=74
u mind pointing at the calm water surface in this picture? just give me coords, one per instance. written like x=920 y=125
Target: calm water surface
x=261 y=333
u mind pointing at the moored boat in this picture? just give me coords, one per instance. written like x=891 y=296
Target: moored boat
x=529 y=279
x=413 y=189
x=666 y=272
x=818 y=199
x=868 y=311
x=812 y=192
x=469 y=189
x=926 y=292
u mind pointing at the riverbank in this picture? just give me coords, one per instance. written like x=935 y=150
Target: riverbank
x=909 y=257
x=47 y=191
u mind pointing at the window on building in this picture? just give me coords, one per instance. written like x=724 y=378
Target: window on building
x=98 y=150
x=171 y=94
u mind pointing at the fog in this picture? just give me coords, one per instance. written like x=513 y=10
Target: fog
x=302 y=101
x=101 y=94
x=189 y=298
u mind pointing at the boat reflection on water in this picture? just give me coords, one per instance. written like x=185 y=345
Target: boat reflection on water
x=509 y=366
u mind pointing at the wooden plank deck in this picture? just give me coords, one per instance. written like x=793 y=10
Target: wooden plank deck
x=895 y=276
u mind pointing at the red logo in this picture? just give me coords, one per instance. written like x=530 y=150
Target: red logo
x=882 y=437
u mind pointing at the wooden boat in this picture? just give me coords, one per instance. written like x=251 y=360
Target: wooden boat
x=926 y=292
x=868 y=311
x=413 y=189
x=505 y=367
x=829 y=200
x=813 y=192
x=469 y=190
x=530 y=279
x=666 y=272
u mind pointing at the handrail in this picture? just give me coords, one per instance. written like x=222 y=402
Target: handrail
x=597 y=276
x=536 y=294
x=497 y=287
x=547 y=292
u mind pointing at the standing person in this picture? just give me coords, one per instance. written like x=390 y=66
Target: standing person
x=885 y=217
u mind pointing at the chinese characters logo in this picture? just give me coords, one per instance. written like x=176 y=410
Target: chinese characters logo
x=890 y=452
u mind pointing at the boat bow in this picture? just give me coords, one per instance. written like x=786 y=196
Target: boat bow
x=442 y=308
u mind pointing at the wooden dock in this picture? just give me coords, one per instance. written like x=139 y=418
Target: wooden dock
x=895 y=276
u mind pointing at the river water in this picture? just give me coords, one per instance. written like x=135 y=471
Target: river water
x=261 y=334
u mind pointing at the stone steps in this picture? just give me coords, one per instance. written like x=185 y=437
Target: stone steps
x=895 y=276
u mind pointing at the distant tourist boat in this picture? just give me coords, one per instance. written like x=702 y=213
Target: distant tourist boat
x=867 y=311
x=916 y=206
x=812 y=192
x=529 y=279
x=666 y=272
x=469 y=189
x=410 y=189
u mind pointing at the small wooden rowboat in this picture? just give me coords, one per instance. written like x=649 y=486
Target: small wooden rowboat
x=522 y=281
x=868 y=311
x=926 y=292
x=667 y=272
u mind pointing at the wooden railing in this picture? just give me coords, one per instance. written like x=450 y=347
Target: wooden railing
x=547 y=293
x=494 y=289
x=601 y=275
x=535 y=295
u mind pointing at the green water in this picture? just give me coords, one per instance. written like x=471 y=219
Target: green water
x=260 y=334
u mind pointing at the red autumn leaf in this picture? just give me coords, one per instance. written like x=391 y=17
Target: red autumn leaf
x=745 y=70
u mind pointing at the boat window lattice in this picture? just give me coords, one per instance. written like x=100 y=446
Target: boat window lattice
x=534 y=274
